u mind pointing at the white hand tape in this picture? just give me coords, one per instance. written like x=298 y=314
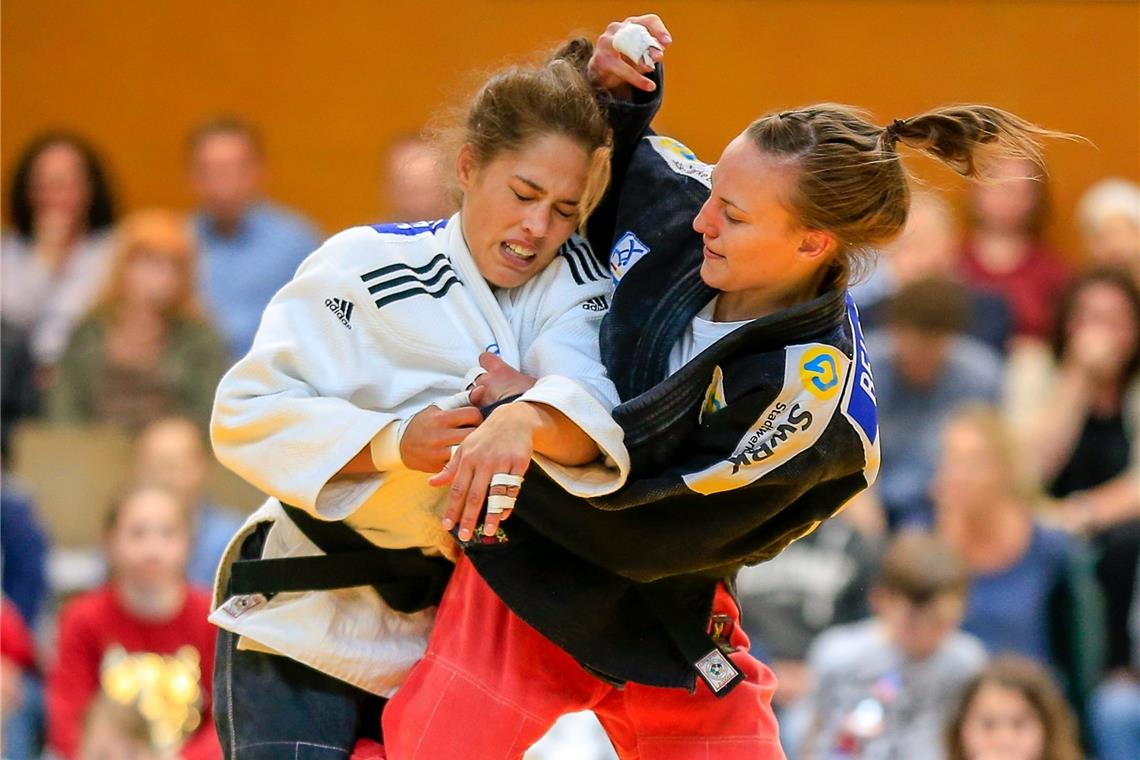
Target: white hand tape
x=634 y=41
x=506 y=479
x=497 y=504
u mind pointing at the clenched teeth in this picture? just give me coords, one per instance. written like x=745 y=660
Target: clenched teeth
x=522 y=253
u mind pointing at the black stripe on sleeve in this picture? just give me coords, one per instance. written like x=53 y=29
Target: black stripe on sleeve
x=566 y=254
x=587 y=253
x=418 y=290
x=428 y=281
x=397 y=267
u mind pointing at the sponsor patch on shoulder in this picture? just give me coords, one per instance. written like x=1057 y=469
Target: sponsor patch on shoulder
x=814 y=374
x=681 y=160
x=625 y=253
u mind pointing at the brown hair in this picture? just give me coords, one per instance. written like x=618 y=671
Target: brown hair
x=1112 y=277
x=851 y=180
x=932 y=305
x=921 y=567
x=225 y=125
x=124 y=497
x=987 y=420
x=167 y=231
x=1034 y=684
x=521 y=103
x=125 y=720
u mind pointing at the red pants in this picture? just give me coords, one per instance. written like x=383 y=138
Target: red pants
x=490 y=686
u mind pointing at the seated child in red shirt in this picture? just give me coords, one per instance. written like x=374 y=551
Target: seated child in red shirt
x=141 y=640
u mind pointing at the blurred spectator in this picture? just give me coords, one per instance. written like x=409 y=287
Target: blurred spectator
x=141 y=640
x=1081 y=436
x=818 y=582
x=1004 y=251
x=413 y=188
x=1013 y=711
x=145 y=351
x=21 y=699
x=1032 y=591
x=1109 y=215
x=115 y=731
x=884 y=688
x=1081 y=425
x=250 y=247
x=172 y=452
x=23 y=551
x=1115 y=710
x=924 y=368
x=930 y=246
x=54 y=258
x=19 y=397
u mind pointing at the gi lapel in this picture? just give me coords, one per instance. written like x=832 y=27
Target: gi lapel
x=480 y=292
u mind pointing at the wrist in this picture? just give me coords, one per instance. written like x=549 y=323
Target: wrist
x=520 y=415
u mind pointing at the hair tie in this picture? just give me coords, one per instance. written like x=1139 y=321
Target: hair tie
x=893 y=130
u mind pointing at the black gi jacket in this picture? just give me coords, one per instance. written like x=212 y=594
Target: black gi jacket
x=748 y=447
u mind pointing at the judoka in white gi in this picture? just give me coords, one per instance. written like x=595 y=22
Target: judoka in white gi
x=354 y=392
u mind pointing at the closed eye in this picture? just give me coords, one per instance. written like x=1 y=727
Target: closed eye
x=522 y=197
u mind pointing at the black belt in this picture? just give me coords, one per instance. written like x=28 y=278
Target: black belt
x=406 y=579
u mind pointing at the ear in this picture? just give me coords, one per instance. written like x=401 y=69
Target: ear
x=466 y=167
x=815 y=245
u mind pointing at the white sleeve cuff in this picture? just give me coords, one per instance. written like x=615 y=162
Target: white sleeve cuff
x=385 y=447
x=605 y=474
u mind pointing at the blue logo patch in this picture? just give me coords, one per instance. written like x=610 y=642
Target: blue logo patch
x=409 y=228
x=626 y=252
x=863 y=404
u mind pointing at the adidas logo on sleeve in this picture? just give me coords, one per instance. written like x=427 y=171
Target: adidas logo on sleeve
x=342 y=308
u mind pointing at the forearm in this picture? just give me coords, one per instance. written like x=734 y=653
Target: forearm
x=1056 y=428
x=1115 y=501
x=555 y=436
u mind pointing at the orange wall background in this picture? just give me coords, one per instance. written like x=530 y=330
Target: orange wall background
x=331 y=83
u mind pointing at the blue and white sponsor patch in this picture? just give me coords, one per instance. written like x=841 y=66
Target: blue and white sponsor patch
x=681 y=160
x=625 y=253
x=860 y=406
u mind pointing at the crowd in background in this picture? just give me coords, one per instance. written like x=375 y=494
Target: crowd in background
x=980 y=601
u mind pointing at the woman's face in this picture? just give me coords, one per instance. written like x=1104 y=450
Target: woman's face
x=59 y=184
x=154 y=277
x=970 y=472
x=1001 y=724
x=1103 y=314
x=1006 y=204
x=751 y=241
x=520 y=207
x=150 y=542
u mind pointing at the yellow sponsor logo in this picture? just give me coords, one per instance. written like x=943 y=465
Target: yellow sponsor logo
x=820 y=372
x=677 y=148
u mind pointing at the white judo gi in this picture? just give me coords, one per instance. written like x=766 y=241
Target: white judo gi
x=377 y=324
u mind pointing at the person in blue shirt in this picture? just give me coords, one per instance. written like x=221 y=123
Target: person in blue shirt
x=23 y=549
x=925 y=367
x=1032 y=590
x=250 y=246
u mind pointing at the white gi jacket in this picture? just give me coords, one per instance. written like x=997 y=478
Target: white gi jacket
x=377 y=324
